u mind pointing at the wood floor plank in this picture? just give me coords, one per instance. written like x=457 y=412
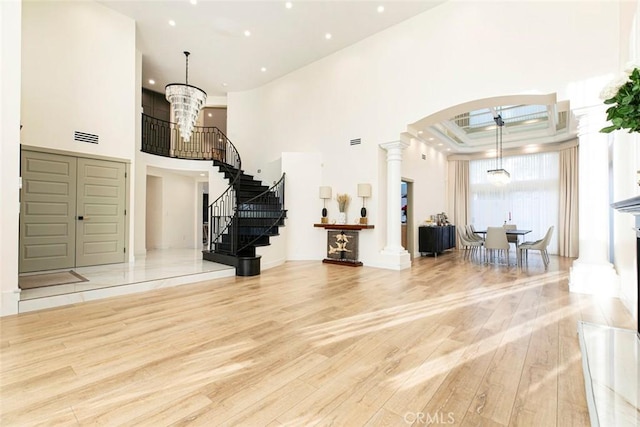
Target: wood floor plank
x=449 y=340
x=572 y=404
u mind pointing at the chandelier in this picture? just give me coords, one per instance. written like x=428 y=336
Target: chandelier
x=499 y=176
x=186 y=102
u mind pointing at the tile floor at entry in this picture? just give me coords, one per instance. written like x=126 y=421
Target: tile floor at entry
x=160 y=268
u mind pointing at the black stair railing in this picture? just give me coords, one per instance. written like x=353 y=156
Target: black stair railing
x=223 y=210
x=260 y=215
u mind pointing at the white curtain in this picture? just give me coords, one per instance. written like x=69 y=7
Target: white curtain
x=530 y=201
x=568 y=220
x=461 y=193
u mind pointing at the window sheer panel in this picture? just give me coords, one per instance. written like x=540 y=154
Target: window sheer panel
x=531 y=199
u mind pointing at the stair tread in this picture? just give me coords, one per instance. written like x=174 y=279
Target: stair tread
x=258 y=216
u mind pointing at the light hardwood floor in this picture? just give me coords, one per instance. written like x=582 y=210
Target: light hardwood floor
x=449 y=341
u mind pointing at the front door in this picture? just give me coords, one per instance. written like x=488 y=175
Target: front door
x=47 y=211
x=72 y=212
x=100 y=212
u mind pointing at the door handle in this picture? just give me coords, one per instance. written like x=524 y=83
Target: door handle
x=80 y=218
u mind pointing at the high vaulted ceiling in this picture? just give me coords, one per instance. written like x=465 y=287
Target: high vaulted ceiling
x=281 y=39
x=240 y=45
x=471 y=127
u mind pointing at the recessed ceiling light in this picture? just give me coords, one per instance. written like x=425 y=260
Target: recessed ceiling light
x=247 y=33
x=448 y=149
x=327 y=36
x=380 y=9
x=172 y=22
x=193 y=2
x=152 y=82
x=202 y=174
x=440 y=144
x=263 y=69
x=419 y=132
x=224 y=84
x=430 y=139
x=210 y=115
x=288 y=5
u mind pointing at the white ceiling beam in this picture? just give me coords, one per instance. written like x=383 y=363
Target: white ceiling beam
x=455 y=129
x=551 y=116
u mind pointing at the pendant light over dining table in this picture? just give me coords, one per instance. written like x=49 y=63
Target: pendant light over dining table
x=186 y=102
x=499 y=176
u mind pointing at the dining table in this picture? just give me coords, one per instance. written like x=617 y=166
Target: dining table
x=512 y=232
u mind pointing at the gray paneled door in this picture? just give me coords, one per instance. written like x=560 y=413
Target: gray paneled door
x=72 y=212
x=47 y=211
x=100 y=212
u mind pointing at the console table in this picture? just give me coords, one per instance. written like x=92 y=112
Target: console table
x=342 y=243
x=436 y=239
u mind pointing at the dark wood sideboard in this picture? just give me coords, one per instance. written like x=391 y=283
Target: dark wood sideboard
x=435 y=240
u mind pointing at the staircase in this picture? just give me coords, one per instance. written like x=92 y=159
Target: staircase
x=259 y=213
x=246 y=215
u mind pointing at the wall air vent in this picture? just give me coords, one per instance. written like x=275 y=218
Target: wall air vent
x=356 y=141
x=85 y=137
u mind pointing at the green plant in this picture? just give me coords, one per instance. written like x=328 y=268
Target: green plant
x=624 y=95
x=343 y=201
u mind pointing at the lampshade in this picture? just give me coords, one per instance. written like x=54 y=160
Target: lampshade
x=325 y=192
x=364 y=190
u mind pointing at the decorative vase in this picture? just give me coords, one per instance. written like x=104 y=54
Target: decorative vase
x=342 y=218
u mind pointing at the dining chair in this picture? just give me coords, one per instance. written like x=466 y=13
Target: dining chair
x=511 y=238
x=470 y=246
x=539 y=245
x=496 y=240
x=471 y=234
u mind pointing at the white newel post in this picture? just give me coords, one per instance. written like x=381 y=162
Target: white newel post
x=592 y=273
x=395 y=256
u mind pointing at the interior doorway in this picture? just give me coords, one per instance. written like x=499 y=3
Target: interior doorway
x=406 y=215
x=203 y=217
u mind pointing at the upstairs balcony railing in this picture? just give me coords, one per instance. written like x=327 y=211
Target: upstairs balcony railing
x=163 y=138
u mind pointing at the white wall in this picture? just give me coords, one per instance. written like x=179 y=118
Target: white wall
x=457 y=52
x=154 y=215
x=9 y=153
x=78 y=74
x=303 y=179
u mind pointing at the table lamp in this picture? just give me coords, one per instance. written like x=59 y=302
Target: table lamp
x=364 y=191
x=325 y=193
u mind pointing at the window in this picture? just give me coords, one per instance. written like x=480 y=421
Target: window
x=530 y=201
